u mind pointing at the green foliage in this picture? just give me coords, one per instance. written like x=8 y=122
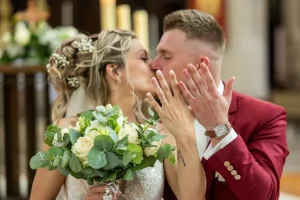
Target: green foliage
x=110 y=158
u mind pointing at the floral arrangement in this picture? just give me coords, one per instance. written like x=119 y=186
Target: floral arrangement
x=103 y=147
x=32 y=44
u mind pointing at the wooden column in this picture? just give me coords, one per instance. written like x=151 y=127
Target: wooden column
x=23 y=119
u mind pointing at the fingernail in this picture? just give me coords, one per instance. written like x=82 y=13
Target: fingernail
x=158 y=72
x=148 y=94
x=172 y=72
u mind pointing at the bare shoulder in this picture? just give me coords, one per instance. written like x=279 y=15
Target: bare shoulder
x=67 y=121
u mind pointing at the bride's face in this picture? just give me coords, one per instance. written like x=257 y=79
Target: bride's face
x=139 y=70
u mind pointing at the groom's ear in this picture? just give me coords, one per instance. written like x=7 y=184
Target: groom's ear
x=204 y=60
x=111 y=70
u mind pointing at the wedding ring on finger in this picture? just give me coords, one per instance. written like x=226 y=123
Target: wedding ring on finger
x=196 y=95
x=164 y=101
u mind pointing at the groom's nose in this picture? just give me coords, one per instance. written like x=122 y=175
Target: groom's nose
x=155 y=65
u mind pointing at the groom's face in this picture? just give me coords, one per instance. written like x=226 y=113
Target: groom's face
x=173 y=53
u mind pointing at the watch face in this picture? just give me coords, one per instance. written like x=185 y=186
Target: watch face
x=221 y=130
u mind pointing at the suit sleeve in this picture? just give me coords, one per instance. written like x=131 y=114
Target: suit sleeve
x=254 y=169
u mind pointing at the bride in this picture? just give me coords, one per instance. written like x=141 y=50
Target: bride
x=109 y=68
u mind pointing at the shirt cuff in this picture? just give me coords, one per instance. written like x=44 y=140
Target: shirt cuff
x=225 y=141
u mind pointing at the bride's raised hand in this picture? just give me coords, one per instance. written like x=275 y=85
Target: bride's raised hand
x=173 y=112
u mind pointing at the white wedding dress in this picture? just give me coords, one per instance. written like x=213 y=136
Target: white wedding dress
x=147 y=185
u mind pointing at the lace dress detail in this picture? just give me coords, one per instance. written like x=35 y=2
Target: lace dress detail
x=147 y=185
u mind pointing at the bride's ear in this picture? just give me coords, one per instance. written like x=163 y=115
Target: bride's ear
x=113 y=73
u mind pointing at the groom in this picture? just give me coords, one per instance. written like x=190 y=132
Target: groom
x=241 y=140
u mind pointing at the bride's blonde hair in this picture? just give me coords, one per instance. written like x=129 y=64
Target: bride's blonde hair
x=88 y=67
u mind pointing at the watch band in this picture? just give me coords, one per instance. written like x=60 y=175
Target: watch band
x=212 y=133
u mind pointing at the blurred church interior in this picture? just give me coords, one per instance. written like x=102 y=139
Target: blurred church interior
x=263 y=46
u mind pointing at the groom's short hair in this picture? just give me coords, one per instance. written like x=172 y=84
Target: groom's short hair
x=196 y=25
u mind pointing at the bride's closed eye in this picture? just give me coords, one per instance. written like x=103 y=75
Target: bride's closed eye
x=145 y=59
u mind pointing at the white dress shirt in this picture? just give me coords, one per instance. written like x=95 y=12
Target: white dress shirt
x=203 y=140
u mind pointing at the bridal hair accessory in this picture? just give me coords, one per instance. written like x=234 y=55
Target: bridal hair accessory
x=73 y=82
x=85 y=45
x=60 y=60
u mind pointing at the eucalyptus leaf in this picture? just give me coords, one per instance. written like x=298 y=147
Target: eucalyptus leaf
x=164 y=152
x=56 y=160
x=112 y=161
x=113 y=134
x=127 y=157
x=87 y=170
x=111 y=176
x=122 y=142
x=53 y=152
x=113 y=111
x=49 y=136
x=128 y=176
x=88 y=115
x=74 y=135
x=97 y=159
x=146 y=162
x=37 y=160
x=101 y=173
x=90 y=181
x=66 y=139
x=137 y=159
x=134 y=148
x=120 y=150
x=103 y=143
x=74 y=164
x=65 y=159
x=99 y=117
x=172 y=158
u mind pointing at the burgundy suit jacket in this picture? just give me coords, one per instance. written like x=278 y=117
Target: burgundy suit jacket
x=257 y=154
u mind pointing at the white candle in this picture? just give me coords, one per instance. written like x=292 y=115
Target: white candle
x=108 y=14
x=140 y=22
x=124 y=17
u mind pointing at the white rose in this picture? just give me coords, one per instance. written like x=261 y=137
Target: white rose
x=151 y=151
x=133 y=136
x=92 y=134
x=82 y=147
x=60 y=143
x=22 y=34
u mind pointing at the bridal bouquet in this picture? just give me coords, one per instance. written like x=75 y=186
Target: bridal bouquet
x=103 y=147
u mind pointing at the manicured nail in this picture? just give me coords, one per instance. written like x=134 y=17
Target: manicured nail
x=158 y=72
x=172 y=72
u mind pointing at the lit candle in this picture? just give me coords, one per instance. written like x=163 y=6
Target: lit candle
x=108 y=14
x=123 y=17
x=140 y=22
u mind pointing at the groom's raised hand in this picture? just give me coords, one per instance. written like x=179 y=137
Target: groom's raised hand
x=209 y=106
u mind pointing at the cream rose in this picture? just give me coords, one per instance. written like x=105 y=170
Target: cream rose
x=82 y=147
x=151 y=151
x=133 y=136
x=22 y=34
x=60 y=143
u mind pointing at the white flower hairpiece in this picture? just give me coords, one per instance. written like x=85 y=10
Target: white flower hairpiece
x=60 y=59
x=73 y=82
x=85 y=45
